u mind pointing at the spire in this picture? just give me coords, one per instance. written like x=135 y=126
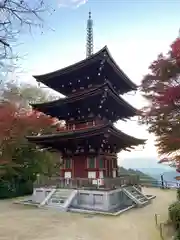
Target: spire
x=89 y=42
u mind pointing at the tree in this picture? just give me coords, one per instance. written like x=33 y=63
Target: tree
x=17 y=154
x=161 y=88
x=16 y=16
x=21 y=161
x=24 y=94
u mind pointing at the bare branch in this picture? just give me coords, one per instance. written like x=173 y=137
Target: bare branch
x=15 y=16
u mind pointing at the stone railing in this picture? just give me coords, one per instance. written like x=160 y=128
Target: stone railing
x=86 y=183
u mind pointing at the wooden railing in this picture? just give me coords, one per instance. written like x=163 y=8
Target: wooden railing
x=86 y=183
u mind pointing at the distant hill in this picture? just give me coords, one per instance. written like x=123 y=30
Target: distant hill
x=143 y=163
x=168 y=176
x=154 y=171
x=153 y=175
x=142 y=175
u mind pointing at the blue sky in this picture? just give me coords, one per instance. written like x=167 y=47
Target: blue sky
x=134 y=31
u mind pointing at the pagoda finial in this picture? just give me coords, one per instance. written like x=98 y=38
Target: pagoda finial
x=89 y=43
x=89 y=14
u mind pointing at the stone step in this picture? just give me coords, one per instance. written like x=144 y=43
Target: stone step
x=61 y=198
x=57 y=201
x=60 y=195
x=138 y=196
x=142 y=199
x=68 y=191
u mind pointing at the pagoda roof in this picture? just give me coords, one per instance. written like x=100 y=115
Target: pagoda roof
x=61 y=107
x=68 y=138
x=59 y=80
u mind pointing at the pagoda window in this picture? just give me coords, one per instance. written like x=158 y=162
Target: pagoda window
x=101 y=163
x=93 y=123
x=71 y=126
x=114 y=163
x=90 y=123
x=68 y=163
x=91 y=162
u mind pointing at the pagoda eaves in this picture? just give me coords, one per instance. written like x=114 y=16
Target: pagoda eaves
x=94 y=70
x=101 y=137
x=112 y=107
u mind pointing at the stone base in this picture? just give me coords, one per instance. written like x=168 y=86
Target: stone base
x=103 y=201
x=107 y=202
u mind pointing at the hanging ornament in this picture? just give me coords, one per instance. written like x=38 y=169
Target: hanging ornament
x=106 y=89
x=104 y=53
x=102 y=62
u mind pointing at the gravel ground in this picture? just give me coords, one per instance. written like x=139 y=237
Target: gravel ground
x=19 y=222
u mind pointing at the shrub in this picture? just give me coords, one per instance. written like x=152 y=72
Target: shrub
x=178 y=194
x=11 y=189
x=174 y=215
x=177 y=236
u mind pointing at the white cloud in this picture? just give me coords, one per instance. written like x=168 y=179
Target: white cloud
x=71 y=3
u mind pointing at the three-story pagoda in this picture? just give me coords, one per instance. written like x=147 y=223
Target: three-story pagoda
x=89 y=143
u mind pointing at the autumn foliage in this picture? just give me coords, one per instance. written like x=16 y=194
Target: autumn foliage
x=15 y=124
x=161 y=88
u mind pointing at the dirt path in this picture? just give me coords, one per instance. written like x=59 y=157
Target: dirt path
x=27 y=223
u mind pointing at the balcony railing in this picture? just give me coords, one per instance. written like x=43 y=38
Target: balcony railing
x=86 y=183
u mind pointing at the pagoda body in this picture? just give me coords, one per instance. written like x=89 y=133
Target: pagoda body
x=89 y=142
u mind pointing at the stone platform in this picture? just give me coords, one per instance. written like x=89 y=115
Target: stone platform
x=90 y=199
